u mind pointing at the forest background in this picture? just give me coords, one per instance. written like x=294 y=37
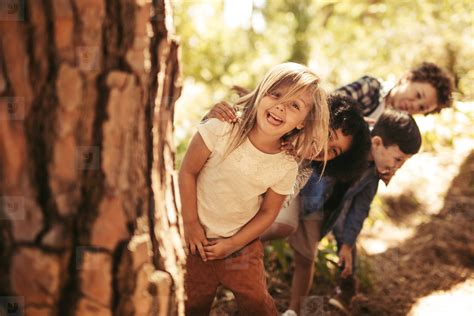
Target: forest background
x=227 y=43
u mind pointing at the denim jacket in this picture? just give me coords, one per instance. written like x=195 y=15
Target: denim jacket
x=315 y=193
x=348 y=217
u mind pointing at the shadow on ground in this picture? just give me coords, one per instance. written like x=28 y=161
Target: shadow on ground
x=439 y=256
x=398 y=208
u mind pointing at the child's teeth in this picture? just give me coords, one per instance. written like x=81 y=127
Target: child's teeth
x=275 y=121
x=275 y=117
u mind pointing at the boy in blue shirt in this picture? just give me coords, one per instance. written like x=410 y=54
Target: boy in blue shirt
x=329 y=204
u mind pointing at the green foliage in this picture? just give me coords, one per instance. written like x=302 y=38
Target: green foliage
x=279 y=258
x=365 y=272
x=227 y=42
x=326 y=264
x=279 y=253
x=445 y=129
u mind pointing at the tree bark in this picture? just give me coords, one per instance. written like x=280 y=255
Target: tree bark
x=88 y=200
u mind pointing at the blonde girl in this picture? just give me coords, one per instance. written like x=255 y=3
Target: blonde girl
x=234 y=179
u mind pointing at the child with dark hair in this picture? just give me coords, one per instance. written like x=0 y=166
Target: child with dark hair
x=331 y=204
x=424 y=89
x=348 y=146
x=346 y=163
x=345 y=116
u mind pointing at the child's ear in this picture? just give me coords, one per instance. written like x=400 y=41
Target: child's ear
x=377 y=141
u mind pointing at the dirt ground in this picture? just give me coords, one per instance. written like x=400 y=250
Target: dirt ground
x=434 y=255
x=437 y=257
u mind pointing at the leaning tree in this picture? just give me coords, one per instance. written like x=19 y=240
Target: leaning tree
x=88 y=207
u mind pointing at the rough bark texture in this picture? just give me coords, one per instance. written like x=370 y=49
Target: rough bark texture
x=88 y=212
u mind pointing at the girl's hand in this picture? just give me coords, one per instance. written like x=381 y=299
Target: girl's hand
x=223 y=111
x=195 y=239
x=220 y=248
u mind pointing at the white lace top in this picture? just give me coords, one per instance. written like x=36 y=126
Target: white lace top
x=304 y=173
x=229 y=191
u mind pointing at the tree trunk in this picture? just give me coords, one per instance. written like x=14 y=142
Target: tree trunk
x=88 y=206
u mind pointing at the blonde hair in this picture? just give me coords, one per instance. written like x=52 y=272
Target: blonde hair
x=313 y=137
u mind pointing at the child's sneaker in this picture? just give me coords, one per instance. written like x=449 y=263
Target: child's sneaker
x=336 y=302
x=289 y=312
x=344 y=293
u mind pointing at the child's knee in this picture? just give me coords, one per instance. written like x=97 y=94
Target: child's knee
x=284 y=230
x=302 y=261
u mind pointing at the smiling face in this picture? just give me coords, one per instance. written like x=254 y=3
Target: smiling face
x=413 y=97
x=338 y=144
x=277 y=115
x=387 y=159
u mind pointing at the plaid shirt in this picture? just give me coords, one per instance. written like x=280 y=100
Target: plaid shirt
x=304 y=174
x=368 y=91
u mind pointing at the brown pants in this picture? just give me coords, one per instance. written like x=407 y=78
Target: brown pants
x=242 y=272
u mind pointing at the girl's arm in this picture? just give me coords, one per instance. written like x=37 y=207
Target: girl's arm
x=265 y=216
x=195 y=158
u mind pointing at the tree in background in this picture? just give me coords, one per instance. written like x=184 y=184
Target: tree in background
x=384 y=38
x=229 y=42
x=88 y=214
